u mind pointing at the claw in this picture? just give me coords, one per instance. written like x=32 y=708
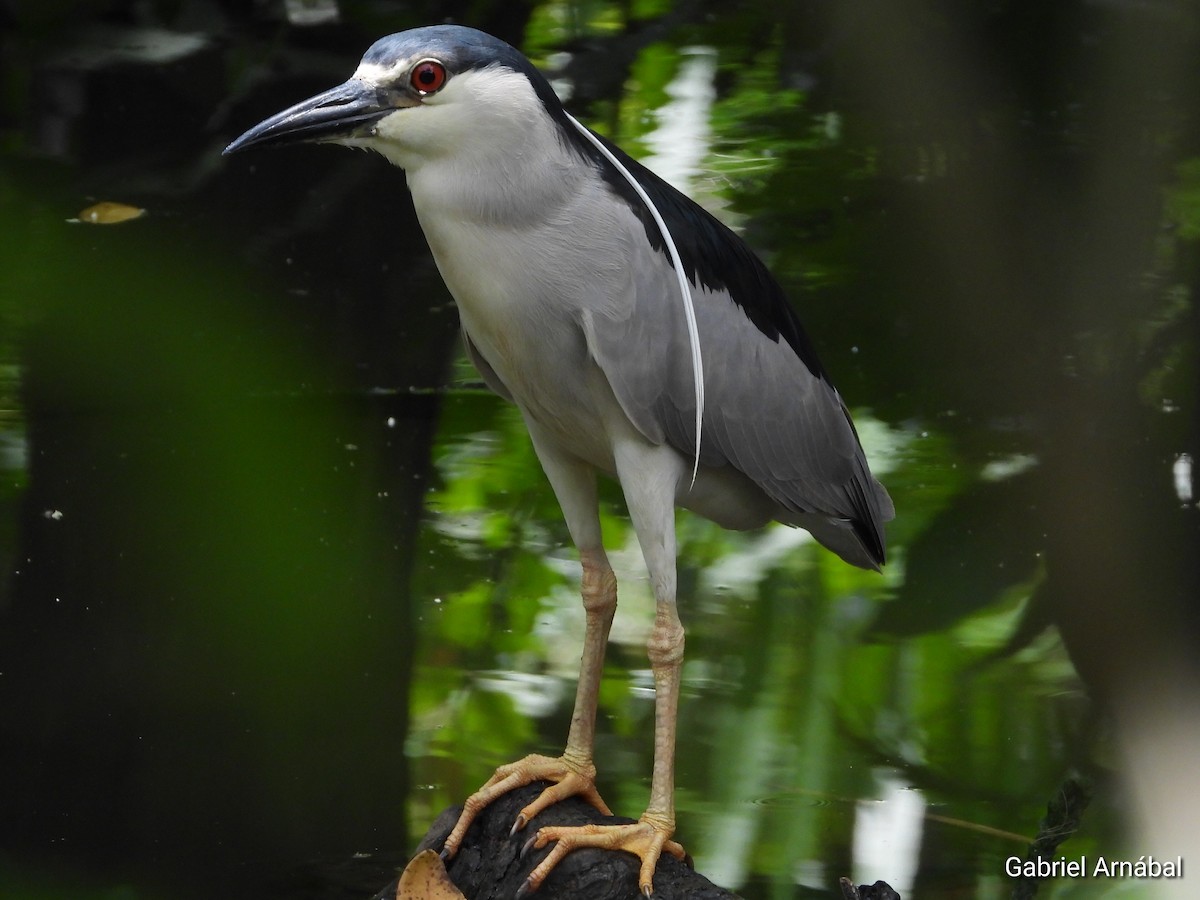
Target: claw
x=568 y=777
x=518 y=824
x=527 y=846
x=647 y=891
x=522 y=890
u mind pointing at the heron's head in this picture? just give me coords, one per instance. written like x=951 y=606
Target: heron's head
x=431 y=93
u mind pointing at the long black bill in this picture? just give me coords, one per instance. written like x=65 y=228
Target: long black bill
x=348 y=109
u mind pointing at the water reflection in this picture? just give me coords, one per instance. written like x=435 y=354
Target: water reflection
x=680 y=143
x=887 y=835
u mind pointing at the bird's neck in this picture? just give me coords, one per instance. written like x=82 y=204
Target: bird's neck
x=520 y=185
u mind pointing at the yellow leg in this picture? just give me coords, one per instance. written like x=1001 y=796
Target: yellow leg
x=650 y=836
x=573 y=773
x=649 y=476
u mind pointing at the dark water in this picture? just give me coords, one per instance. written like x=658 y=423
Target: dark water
x=281 y=582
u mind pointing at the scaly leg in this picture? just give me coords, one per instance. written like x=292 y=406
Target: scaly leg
x=648 y=476
x=650 y=836
x=574 y=772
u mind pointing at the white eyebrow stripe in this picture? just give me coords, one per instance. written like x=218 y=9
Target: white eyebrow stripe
x=377 y=74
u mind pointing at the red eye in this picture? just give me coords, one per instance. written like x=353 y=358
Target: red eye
x=427 y=76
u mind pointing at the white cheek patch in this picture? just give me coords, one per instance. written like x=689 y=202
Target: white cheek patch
x=389 y=127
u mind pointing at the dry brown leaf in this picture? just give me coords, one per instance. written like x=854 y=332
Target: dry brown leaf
x=425 y=878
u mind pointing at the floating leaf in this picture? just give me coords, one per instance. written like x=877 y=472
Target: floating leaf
x=425 y=878
x=109 y=213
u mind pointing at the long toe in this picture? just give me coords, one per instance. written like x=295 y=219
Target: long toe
x=568 y=778
x=644 y=840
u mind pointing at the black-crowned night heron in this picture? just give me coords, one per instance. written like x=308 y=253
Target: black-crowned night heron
x=565 y=258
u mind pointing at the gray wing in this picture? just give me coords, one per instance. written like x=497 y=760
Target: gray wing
x=766 y=412
x=484 y=368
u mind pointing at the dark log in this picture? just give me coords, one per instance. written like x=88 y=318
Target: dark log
x=489 y=865
x=880 y=890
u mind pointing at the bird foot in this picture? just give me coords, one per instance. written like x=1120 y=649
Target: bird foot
x=644 y=839
x=570 y=777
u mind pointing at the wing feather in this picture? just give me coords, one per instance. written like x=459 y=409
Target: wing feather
x=768 y=413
